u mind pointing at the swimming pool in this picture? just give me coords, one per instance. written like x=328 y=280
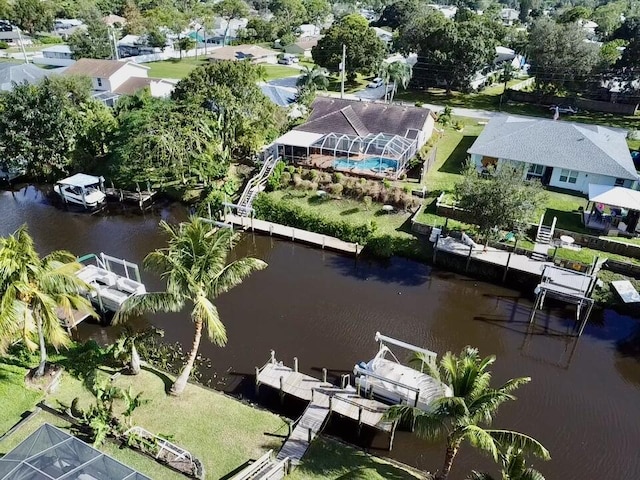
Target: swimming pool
x=373 y=163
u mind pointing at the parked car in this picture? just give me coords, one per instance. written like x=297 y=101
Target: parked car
x=285 y=61
x=6 y=26
x=564 y=108
x=375 y=83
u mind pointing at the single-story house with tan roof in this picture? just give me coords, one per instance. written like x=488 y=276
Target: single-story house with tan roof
x=254 y=53
x=302 y=46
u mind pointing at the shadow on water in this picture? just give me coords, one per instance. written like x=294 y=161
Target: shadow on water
x=395 y=270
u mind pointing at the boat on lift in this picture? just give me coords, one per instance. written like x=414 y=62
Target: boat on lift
x=112 y=281
x=81 y=189
x=389 y=380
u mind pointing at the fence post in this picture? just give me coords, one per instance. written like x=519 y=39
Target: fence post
x=295 y=364
x=324 y=375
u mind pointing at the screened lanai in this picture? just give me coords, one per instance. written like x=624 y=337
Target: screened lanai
x=380 y=155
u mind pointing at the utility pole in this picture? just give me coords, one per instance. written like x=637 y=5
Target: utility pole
x=24 y=50
x=343 y=66
x=115 y=44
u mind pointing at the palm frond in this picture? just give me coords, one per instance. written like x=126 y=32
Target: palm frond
x=513 y=384
x=234 y=273
x=520 y=442
x=421 y=361
x=150 y=302
x=480 y=438
x=206 y=312
x=531 y=474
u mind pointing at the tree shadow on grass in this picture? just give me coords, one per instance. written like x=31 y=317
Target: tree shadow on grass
x=455 y=161
x=350 y=211
x=168 y=382
x=326 y=456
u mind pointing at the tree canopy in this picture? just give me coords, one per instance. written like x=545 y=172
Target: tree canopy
x=32 y=15
x=94 y=42
x=41 y=124
x=449 y=53
x=245 y=116
x=505 y=200
x=365 y=50
x=559 y=56
x=399 y=13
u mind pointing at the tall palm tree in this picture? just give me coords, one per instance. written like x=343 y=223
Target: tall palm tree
x=474 y=403
x=316 y=77
x=34 y=290
x=396 y=73
x=197 y=270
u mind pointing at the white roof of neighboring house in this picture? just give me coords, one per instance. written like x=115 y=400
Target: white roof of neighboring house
x=588 y=24
x=382 y=33
x=308 y=30
x=504 y=51
x=57 y=49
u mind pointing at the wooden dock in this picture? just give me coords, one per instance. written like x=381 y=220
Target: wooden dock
x=76 y=318
x=324 y=399
x=142 y=198
x=293 y=234
x=494 y=256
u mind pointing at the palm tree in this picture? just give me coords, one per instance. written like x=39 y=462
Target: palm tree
x=34 y=291
x=316 y=77
x=397 y=73
x=474 y=403
x=513 y=467
x=196 y=267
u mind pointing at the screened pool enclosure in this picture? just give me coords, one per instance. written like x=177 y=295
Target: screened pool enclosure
x=380 y=155
x=51 y=454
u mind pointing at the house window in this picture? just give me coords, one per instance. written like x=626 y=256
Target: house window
x=99 y=80
x=619 y=182
x=535 y=170
x=568 y=176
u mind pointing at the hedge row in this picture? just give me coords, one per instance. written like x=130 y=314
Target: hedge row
x=295 y=216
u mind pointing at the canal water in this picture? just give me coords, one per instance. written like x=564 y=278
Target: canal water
x=583 y=401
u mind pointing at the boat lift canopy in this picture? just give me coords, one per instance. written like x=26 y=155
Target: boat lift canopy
x=81 y=180
x=431 y=356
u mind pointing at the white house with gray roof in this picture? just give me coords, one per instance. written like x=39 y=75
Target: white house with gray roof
x=561 y=154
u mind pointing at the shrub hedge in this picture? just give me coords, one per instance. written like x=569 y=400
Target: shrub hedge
x=267 y=208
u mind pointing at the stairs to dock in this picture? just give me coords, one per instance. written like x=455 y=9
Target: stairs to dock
x=306 y=430
x=256 y=185
x=544 y=238
x=265 y=468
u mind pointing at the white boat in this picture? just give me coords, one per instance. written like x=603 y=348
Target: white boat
x=81 y=189
x=389 y=380
x=110 y=289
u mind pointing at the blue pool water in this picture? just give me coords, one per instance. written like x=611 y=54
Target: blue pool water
x=373 y=163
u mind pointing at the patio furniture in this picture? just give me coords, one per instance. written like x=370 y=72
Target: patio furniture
x=567 y=240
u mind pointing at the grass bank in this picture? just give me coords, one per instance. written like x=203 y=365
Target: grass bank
x=327 y=459
x=15 y=398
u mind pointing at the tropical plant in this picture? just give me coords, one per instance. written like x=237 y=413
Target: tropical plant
x=472 y=406
x=513 y=466
x=396 y=73
x=131 y=402
x=316 y=77
x=197 y=270
x=34 y=291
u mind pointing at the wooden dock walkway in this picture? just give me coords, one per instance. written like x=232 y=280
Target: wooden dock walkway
x=76 y=318
x=324 y=399
x=294 y=234
x=495 y=256
x=139 y=197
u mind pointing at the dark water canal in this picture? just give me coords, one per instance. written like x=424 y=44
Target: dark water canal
x=583 y=402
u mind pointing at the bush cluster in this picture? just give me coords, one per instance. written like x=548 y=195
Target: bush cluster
x=295 y=216
x=356 y=188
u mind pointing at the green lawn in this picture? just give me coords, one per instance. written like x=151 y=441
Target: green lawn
x=327 y=459
x=360 y=82
x=174 y=68
x=634 y=144
x=451 y=155
x=222 y=432
x=15 y=398
x=279 y=71
x=352 y=211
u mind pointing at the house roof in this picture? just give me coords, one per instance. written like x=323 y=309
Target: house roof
x=240 y=52
x=281 y=96
x=20 y=73
x=132 y=85
x=573 y=146
x=352 y=117
x=298 y=138
x=94 y=68
x=307 y=43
